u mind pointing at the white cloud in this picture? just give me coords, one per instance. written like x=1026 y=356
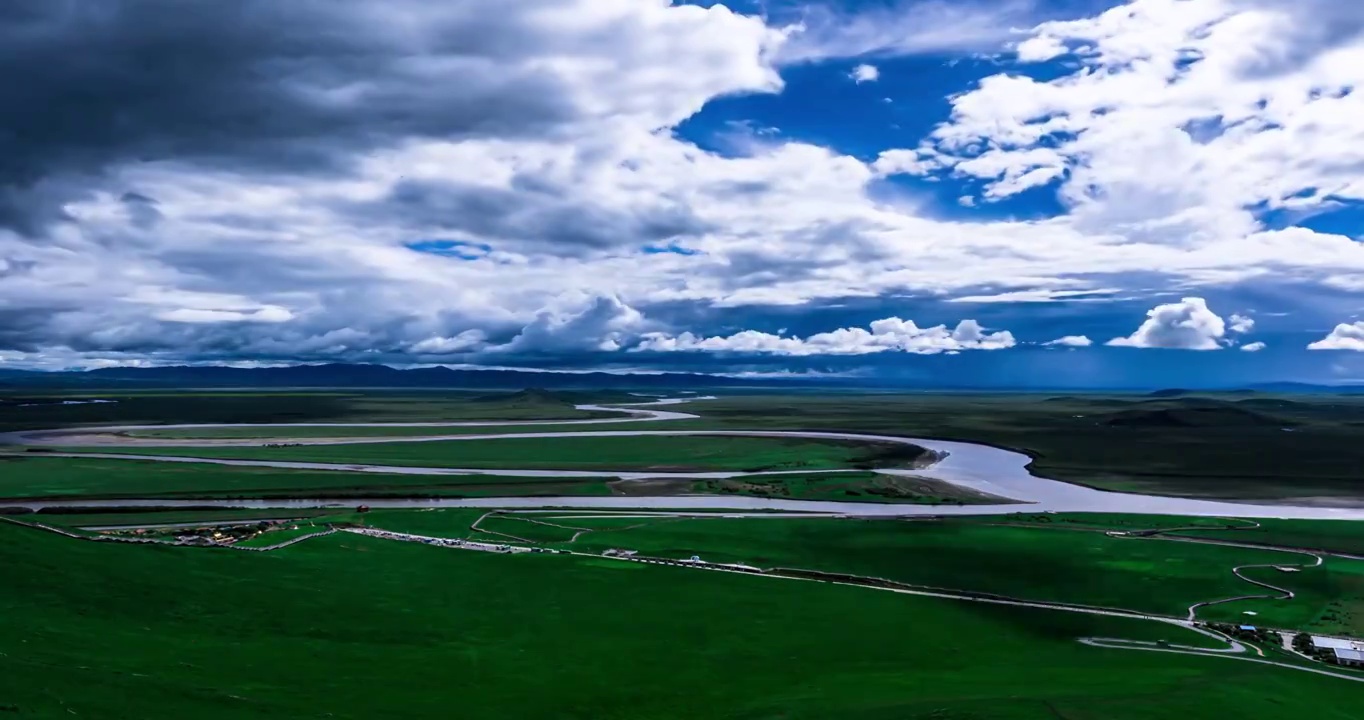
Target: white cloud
x=1152 y=184
x=1253 y=347
x=865 y=73
x=1185 y=325
x=1039 y=49
x=1345 y=336
x=889 y=334
x=905 y=162
x=1073 y=341
x=603 y=324
x=1240 y=323
x=1038 y=295
x=904 y=27
x=268 y=314
x=467 y=341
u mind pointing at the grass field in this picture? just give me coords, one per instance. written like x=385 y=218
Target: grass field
x=851 y=486
x=32 y=412
x=519 y=527
x=1031 y=563
x=51 y=477
x=34 y=477
x=1343 y=536
x=168 y=516
x=1329 y=600
x=213 y=634
x=655 y=453
x=366 y=432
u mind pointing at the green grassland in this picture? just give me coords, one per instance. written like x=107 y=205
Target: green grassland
x=51 y=477
x=1342 y=536
x=846 y=486
x=650 y=453
x=368 y=432
x=32 y=412
x=1120 y=521
x=1157 y=576
x=514 y=527
x=1329 y=600
x=353 y=627
x=144 y=517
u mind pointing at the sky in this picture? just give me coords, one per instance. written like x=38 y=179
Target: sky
x=1080 y=193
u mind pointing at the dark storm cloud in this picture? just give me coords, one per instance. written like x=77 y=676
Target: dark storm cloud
x=291 y=85
x=549 y=217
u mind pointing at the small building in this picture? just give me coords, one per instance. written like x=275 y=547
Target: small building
x=1345 y=651
x=1246 y=628
x=1352 y=658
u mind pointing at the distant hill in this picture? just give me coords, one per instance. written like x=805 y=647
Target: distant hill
x=373 y=376
x=533 y=397
x=1193 y=416
x=1292 y=388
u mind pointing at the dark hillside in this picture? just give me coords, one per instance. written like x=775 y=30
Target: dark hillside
x=1224 y=416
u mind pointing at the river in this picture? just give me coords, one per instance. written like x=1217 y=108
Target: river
x=991 y=470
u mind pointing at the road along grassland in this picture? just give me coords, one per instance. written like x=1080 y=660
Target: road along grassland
x=1088 y=568
x=217 y=634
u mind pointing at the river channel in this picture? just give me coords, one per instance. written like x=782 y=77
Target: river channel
x=995 y=471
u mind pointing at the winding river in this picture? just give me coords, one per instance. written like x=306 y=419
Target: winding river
x=994 y=471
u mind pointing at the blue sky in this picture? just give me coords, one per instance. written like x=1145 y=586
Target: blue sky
x=994 y=192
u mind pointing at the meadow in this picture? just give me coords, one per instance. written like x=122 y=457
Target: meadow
x=353 y=627
x=650 y=453
x=52 y=477
x=974 y=555
x=33 y=411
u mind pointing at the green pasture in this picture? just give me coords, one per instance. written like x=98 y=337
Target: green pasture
x=1156 y=576
x=51 y=477
x=647 y=453
x=353 y=627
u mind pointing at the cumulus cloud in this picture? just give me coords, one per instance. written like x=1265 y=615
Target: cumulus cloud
x=889 y=334
x=1073 y=341
x=1039 y=49
x=1253 y=347
x=410 y=181
x=603 y=324
x=865 y=73
x=903 y=27
x=1240 y=323
x=1345 y=336
x=1185 y=325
